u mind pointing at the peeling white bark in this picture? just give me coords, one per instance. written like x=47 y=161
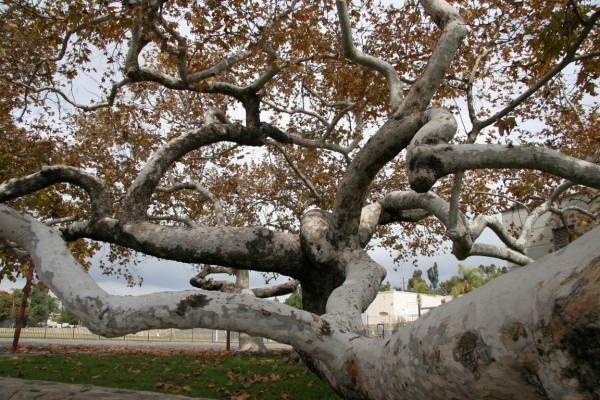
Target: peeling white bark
x=112 y=315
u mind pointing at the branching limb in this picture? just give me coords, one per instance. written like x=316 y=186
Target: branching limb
x=307 y=182
x=389 y=140
x=138 y=195
x=217 y=206
x=112 y=316
x=536 y=213
x=465 y=233
x=517 y=202
x=255 y=248
x=293 y=111
x=277 y=290
x=284 y=137
x=454 y=30
x=472 y=136
x=99 y=198
x=487 y=221
x=426 y=164
x=454 y=201
x=397 y=133
x=502 y=253
x=574 y=209
x=440 y=127
x=85 y=107
x=395 y=85
x=569 y=57
x=60 y=55
x=361 y=284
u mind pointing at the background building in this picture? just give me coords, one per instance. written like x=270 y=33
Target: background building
x=553 y=231
x=392 y=309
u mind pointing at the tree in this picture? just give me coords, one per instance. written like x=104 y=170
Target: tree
x=67 y=316
x=295 y=299
x=40 y=305
x=469 y=279
x=433 y=276
x=418 y=284
x=316 y=147
x=6 y=306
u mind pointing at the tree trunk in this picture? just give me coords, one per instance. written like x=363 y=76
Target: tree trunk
x=20 y=322
x=248 y=343
x=533 y=333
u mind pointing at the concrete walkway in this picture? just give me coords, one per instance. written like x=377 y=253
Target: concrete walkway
x=21 y=389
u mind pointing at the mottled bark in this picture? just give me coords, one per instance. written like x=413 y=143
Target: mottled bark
x=484 y=345
x=427 y=164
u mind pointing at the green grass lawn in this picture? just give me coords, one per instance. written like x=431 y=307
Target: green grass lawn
x=218 y=375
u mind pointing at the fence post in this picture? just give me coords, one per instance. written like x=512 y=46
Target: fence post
x=45 y=330
x=73 y=332
x=192 y=335
x=171 y=339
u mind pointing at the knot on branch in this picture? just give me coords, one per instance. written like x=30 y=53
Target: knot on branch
x=315 y=237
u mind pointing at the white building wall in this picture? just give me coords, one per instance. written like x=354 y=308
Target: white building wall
x=394 y=307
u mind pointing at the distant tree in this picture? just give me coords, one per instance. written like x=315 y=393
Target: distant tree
x=417 y=283
x=41 y=305
x=433 y=276
x=385 y=286
x=6 y=306
x=469 y=279
x=295 y=299
x=66 y=316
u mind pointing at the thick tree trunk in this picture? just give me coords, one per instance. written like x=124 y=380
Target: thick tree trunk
x=20 y=322
x=533 y=333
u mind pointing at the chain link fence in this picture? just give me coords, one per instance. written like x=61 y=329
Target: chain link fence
x=171 y=335
x=152 y=335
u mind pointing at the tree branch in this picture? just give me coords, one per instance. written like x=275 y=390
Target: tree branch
x=307 y=182
x=395 y=85
x=138 y=195
x=112 y=316
x=277 y=290
x=426 y=164
x=454 y=30
x=217 y=207
x=567 y=59
x=255 y=248
x=100 y=200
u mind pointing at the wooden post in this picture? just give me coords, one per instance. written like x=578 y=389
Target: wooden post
x=22 y=309
x=228 y=341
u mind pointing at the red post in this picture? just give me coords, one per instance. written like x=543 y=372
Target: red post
x=22 y=310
